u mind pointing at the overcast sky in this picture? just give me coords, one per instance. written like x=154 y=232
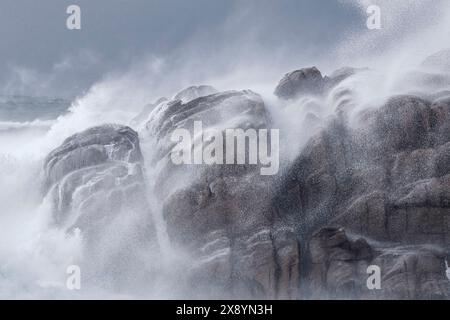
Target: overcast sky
x=39 y=56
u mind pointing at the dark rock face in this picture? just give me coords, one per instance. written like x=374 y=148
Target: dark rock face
x=309 y=81
x=93 y=176
x=184 y=96
x=194 y=92
x=221 y=214
x=303 y=81
x=339 y=269
x=386 y=179
x=374 y=193
x=96 y=185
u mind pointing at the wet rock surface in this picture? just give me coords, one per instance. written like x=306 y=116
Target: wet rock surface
x=310 y=81
x=221 y=213
x=194 y=92
x=96 y=186
x=339 y=268
x=93 y=173
x=374 y=193
x=303 y=81
x=385 y=179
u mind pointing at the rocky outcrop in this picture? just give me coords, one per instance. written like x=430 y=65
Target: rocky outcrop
x=369 y=188
x=340 y=267
x=385 y=179
x=184 y=96
x=194 y=92
x=310 y=81
x=303 y=81
x=221 y=214
x=384 y=176
x=95 y=183
x=92 y=174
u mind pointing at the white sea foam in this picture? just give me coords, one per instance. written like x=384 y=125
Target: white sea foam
x=34 y=256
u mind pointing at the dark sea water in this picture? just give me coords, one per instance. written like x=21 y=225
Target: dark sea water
x=25 y=108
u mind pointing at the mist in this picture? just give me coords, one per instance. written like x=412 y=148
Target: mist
x=244 y=49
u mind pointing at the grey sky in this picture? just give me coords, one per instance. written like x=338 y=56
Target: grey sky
x=39 y=56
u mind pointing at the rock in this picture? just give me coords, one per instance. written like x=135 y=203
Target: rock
x=243 y=109
x=185 y=96
x=194 y=92
x=96 y=186
x=374 y=193
x=303 y=81
x=309 y=81
x=94 y=177
x=90 y=148
x=403 y=122
x=221 y=214
x=339 y=263
x=385 y=179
